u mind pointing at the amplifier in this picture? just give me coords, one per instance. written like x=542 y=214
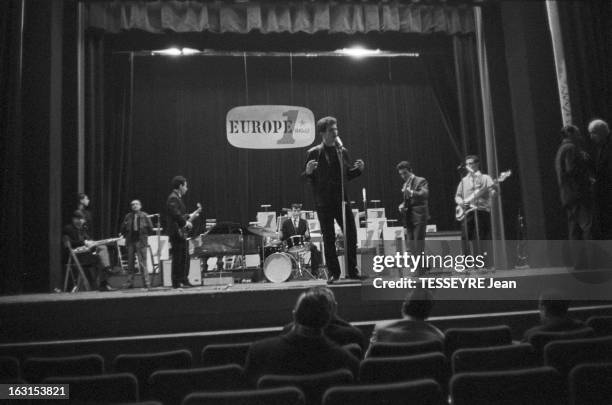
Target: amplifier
x=194 y=276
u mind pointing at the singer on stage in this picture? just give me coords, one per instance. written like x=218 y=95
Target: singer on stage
x=136 y=228
x=323 y=171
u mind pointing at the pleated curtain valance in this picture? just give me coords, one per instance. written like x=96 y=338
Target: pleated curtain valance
x=280 y=16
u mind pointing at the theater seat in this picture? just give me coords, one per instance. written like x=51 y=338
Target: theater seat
x=591 y=384
x=536 y=386
x=107 y=388
x=377 y=370
x=221 y=354
x=539 y=339
x=36 y=369
x=495 y=358
x=564 y=355
x=354 y=349
x=143 y=365
x=312 y=385
x=9 y=368
x=463 y=338
x=272 y=396
x=420 y=392
x=602 y=325
x=383 y=349
x=171 y=386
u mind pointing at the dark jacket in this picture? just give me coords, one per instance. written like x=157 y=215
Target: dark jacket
x=177 y=216
x=144 y=224
x=296 y=354
x=288 y=229
x=340 y=332
x=325 y=179
x=572 y=166
x=76 y=236
x=417 y=209
x=406 y=330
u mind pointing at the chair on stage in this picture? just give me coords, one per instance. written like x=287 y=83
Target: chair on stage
x=272 y=396
x=221 y=354
x=36 y=369
x=74 y=270
x=421 y=392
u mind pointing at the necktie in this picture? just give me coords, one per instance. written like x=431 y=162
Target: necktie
x=135 y=224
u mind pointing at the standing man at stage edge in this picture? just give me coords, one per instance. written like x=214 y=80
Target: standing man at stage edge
x=178 y=222
x=323 y=171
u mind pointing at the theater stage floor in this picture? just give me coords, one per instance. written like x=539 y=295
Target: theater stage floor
x=37 y=317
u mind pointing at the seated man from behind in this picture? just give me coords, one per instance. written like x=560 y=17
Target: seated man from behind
x=305 y=349
x=554 y=315
x=413 y=327
x=337 y=330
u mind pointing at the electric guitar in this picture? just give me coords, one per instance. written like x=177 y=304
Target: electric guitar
x=94 y=244
x=184 y=231
x=461 y=211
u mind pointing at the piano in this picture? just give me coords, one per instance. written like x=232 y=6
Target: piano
x=226 y=239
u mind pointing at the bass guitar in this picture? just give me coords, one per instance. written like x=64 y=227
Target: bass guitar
x=461 y=211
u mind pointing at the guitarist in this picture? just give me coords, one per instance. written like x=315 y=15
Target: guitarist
x=477 y=222
x=414 y=207
x=178 y=223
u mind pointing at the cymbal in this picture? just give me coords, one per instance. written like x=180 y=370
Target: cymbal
x=263 y=231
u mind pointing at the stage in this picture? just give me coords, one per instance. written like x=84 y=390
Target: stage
x=121 y=313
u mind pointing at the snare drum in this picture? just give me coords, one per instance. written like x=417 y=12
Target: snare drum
x=278 y=267
x=296 y=244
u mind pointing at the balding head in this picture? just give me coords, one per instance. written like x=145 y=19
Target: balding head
x=599 y=131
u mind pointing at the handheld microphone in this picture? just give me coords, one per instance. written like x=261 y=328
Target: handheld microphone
x=363 y=193
x=338 y=142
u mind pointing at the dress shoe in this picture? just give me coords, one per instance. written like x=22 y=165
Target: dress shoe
x=186 y=284
x=106 y=287
x=332 y=280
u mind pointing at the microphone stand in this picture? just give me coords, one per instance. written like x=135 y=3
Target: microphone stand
x=343 y=206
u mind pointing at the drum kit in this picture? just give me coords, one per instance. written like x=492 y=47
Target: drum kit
x=286 y=260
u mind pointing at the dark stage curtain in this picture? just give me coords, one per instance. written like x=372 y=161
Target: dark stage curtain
x=587 y=39
x=291 y=17
x=386 y=107
x=11 y=187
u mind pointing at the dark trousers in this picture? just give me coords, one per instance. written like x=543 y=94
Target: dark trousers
x=179 y=260
x=134 y=250
x=479 y=236
x=415 y=238
x=315 y=259
x=327 y=215
x=580 y=226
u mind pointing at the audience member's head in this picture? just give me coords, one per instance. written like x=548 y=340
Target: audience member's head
x=599 y=131
x=570 y=132
x=313 y=309
x=418 y=304
x=553 y=304
x=331 y=298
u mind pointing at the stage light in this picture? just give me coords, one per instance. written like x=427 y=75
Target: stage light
x=358 y=52
x=189 y=51
x=169 y=52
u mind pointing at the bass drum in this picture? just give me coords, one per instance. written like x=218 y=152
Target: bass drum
x=278 y=267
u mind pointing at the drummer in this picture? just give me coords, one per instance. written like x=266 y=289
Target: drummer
x=294 y=230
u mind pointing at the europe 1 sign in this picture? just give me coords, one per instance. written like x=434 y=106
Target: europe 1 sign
x=270 y=127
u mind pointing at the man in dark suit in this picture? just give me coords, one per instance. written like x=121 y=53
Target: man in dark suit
x=136 y=227
x=178 y=222
x=98 y=263
x=337 y=330
x=325 y=164
x=414 y=207
x=305 y=349
x=554 y=316
x=414 y=326
x=600 y=135
x=295 y=225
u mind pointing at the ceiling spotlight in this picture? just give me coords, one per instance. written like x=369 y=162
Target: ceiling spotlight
x=358 y=52
x=169 y=52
